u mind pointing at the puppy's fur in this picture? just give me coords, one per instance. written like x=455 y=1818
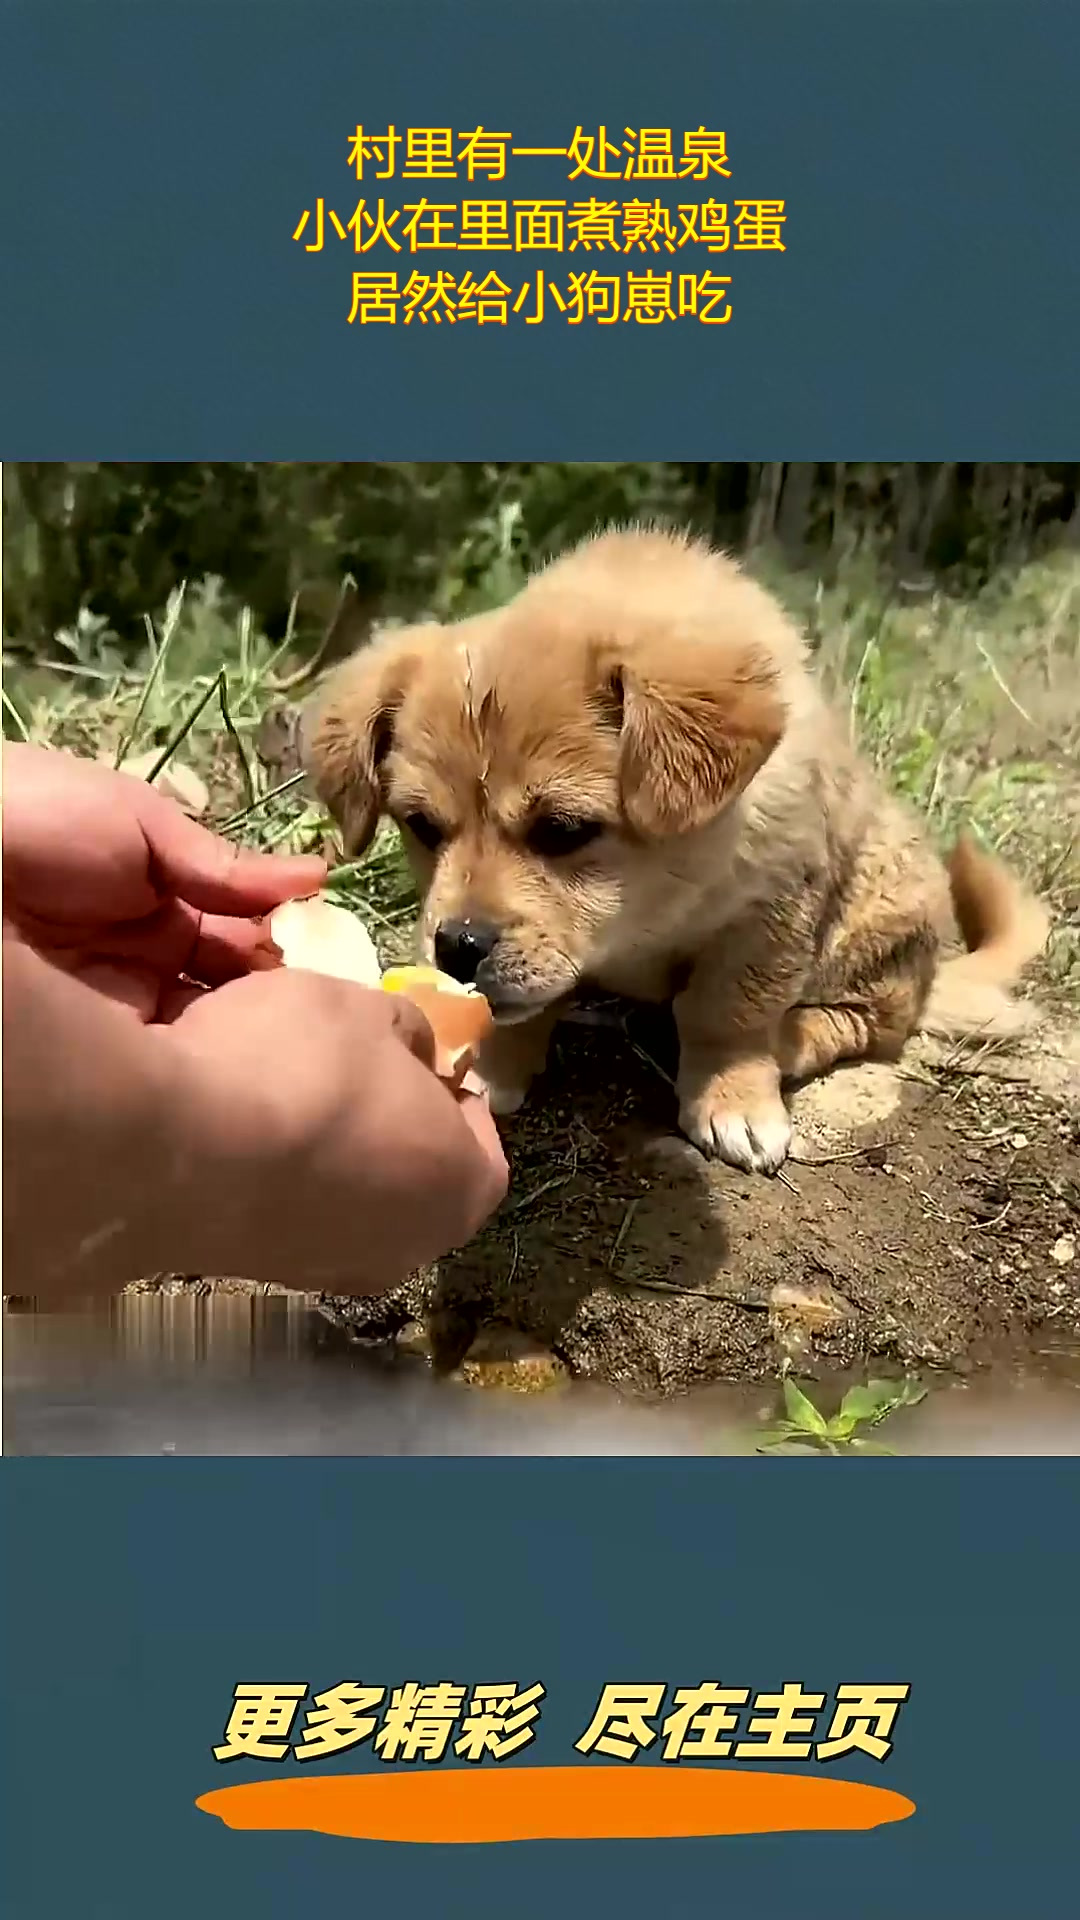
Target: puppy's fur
x=630 y=776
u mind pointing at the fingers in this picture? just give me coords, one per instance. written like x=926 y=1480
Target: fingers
x=175 y=1001
x=318 y=1096
x=225 y=949
x=485 y=1175
x=86 y=847
x=476 y=1113
x=412 y=1028
x=177 y=938
x=128 y=984
x=133 y=987
x=213 y=874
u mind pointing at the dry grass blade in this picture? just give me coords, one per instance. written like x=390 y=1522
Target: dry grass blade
x=238 y=746
x=10 y=707
x=999 y=680
x=648 y=1061
x=856 y=685
x=264 y=800
x=153 y=678
x=181 y=732
x=311 y=667
x=616 y=1245
x=281 y=650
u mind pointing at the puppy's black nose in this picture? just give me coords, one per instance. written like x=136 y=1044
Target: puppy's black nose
x=461 y=946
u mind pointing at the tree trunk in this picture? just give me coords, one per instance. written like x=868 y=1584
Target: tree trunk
x=763 y=513
x=793 y=521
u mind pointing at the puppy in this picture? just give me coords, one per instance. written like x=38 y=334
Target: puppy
x=628 y=777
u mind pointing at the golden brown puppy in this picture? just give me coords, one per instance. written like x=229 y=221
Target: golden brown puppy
x=628 y=777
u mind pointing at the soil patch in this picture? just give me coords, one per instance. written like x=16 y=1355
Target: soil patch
x=933 y=1214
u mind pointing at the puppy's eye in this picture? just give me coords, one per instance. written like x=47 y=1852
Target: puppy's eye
x=424 y=830
x=555 y=835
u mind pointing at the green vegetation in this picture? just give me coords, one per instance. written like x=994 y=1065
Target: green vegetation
x=845 y=1431
x=970 y=706
x=964 y=686
x=117 y=537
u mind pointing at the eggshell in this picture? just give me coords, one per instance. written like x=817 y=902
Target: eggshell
x=323 y=938
x=459 y=1017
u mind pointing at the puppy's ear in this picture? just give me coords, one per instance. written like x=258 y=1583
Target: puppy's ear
x=693 y=735
x=348 y=729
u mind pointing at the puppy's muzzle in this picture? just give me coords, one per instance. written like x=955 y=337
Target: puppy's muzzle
x=480 y=955
x=462 y=947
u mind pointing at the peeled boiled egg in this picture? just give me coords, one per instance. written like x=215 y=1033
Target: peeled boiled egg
x=459 y=1017
x=324 y=938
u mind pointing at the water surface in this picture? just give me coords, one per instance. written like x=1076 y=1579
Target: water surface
x=233 y=1373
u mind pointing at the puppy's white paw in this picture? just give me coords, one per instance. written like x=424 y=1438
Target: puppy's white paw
x=505 y=1100
x=757 y=1141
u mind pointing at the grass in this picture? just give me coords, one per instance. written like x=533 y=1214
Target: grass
x=198 y=694
x=862 y=1409
x=971 y=708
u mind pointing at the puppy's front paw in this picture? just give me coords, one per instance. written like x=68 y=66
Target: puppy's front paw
x=509 y=1061
x=505 y=1099
x=746 y=1128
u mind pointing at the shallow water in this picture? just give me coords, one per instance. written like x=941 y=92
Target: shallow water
x=240 y=1374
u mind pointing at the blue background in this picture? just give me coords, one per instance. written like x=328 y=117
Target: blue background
x=137 y=1594
x=157 y=158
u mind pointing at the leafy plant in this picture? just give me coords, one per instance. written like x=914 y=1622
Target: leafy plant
x=860 y=1409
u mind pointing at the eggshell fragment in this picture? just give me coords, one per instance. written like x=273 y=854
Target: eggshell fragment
x=459 y=1017
x=322 y=938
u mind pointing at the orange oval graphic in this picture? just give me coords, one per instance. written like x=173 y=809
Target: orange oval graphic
x=555 y=1803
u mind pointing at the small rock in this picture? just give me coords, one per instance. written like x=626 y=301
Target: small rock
x=1064 y=1250
x=794 y=1348
x=503 y=1360
x=415 y=1339
x=812 y=1309
x=1018 y=1140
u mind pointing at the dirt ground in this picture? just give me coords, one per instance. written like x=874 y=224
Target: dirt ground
x=931 y=1218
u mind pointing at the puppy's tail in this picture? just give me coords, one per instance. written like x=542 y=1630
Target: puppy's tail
x=1004 y=928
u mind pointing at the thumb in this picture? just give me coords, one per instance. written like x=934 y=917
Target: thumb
x=214 y=875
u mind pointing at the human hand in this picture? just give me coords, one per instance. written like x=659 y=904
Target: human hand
x=112 y=882
x=284 y=1127
x=326 y=1154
